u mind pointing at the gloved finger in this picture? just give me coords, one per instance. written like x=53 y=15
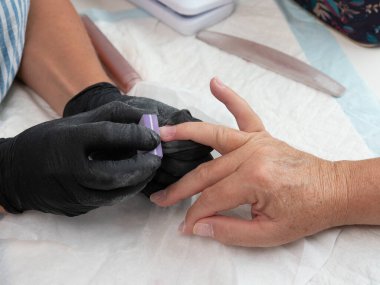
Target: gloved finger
x=180 y=116
x=95 y=198
x=246 y=118
x=112 y=154
x=117 y=112
x=185 y=150
x=90 y=98
x=238 y=232
x=115 y=136
x=69 y=211
x=109 y=175
x=196 y=181
x=161 y=180
x=152 y=187
x=170 y=174
x=150 y=105
x=179 y=168
x=164 y=178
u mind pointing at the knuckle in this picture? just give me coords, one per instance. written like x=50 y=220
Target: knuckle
x=115 y=105
x=261 y=174
x=202 y=172
x=205 y=198
x=135 y=129
x=120 y=111
x=106 y=128
x=221 y=136
x=116 y=110
x=106 y=131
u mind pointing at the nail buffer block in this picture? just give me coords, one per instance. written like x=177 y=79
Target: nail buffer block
x=151 y=122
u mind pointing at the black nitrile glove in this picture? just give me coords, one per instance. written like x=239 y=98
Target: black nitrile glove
x=52 y=167
x=179 y=158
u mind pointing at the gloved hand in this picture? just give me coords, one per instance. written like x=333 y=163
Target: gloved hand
x=179 y=158
x=52 y=168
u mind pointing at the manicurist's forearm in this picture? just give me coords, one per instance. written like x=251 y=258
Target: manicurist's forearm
x=363 y=185
x=59 y=59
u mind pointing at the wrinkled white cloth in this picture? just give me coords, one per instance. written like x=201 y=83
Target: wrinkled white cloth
x=136 y=242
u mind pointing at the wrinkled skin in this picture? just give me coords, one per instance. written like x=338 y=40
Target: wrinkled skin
x=291 y=194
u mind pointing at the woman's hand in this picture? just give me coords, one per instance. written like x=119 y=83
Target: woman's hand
x=292 y=194
x=179 y=158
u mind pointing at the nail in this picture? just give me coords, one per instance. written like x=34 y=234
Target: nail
x=158 y=197
x=203 y=230
x=181 y=227
x=167 y=132
x=219 y=82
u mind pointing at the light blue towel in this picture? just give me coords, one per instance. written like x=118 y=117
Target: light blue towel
x=13 y=19
x=323 y=51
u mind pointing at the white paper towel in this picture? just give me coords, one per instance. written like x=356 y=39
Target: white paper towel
x=136 y=242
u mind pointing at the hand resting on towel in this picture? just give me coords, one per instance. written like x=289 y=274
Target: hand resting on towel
x=292 y=194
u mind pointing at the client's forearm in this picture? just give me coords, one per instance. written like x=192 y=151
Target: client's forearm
x=59 y=59
x=363 y=184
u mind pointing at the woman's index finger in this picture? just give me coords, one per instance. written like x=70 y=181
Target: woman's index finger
x=222 y=139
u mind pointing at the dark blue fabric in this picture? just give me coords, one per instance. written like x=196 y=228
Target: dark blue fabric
x=357 y=19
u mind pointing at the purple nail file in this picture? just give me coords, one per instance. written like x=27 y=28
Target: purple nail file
x=151 y=122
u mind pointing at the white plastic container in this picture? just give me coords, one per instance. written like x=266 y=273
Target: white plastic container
x=188 y=16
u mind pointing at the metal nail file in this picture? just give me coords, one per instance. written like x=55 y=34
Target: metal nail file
x=274 y=60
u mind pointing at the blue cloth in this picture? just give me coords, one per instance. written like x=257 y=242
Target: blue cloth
x=13 y=19
x=322 y=50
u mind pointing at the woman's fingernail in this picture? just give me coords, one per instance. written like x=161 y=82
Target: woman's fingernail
x=219 y=82
x=181 y=227
x=167 y=132
x=203 y=230
x=158 y=196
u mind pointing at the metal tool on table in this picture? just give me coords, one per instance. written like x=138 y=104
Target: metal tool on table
x=124 y=75
x=274 y=60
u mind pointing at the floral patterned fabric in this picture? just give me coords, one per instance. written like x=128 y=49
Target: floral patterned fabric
x=358 y=19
